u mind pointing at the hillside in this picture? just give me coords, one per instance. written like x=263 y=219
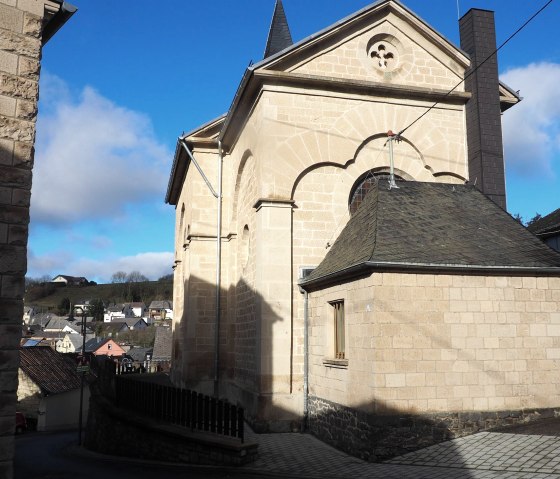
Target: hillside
x=47 y=297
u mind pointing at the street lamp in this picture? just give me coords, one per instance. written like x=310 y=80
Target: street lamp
x=83 y=369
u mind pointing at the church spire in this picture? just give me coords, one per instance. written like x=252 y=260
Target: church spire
x=279 y=36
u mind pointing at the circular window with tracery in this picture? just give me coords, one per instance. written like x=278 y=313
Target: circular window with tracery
x=384 y=55
x=364 y=186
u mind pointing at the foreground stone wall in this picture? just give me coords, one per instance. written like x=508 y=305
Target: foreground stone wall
x=20 y=52
x=376 y=438
x=109 y=431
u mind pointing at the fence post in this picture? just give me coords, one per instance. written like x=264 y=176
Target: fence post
x=241 y=424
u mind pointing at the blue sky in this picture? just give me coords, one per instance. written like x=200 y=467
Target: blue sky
x=123 y=79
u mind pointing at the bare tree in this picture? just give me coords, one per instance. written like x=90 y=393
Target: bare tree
x=118 y=277
x=136 y=277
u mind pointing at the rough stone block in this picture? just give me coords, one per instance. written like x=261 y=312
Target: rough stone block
x=12 y=18
x=32 y=25
x=15 y=177
x=17 y=87
x=23 y=154
x=17 y=130
x=11 y=310
x=12 y=260
x=26 y=110
x=17 y=235
x=8 y=62
x=5 y=196
x=29 y=68
x=6 y=151
x=32 y=6
x=13 y=287
x=3 y=233
x=20 y=44
x=21 y=197
x=17 y=215
x=7 y=105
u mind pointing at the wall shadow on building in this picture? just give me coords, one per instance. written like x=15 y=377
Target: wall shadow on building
x=373 y=431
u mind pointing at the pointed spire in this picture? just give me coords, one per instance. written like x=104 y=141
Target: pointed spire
x=279 y=36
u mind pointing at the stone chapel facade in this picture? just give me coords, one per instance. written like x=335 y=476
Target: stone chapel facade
x=307 y=129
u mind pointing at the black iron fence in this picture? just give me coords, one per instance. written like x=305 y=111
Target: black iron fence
x=179 y=406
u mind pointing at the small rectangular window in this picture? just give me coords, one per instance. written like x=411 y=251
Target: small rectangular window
x=339 y=340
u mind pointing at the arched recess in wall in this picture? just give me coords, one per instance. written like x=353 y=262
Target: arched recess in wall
x=246 y=158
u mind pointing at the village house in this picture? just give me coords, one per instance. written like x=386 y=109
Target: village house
x=160 y=310
x=70 y=280
x=376 y=117
x=118 y=311
x=49 y=389
x=103 y=347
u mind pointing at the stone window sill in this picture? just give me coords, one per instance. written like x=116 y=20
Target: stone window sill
x=335 y=363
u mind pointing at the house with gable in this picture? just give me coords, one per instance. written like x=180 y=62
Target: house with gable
x=67 y=280
x=49 y=389
x=338 y=126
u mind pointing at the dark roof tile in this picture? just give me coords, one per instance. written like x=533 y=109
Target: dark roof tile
x=433 y=224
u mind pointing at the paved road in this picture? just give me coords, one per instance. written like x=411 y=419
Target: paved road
x=487 y=455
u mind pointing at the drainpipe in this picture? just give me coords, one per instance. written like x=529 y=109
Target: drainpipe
x=218 y=275
x=305 y=357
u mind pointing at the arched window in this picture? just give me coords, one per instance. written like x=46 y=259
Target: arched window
x=363 y=185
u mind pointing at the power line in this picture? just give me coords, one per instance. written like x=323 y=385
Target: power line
x=477 y=67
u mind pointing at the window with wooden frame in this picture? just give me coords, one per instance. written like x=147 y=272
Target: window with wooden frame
x=339 y=336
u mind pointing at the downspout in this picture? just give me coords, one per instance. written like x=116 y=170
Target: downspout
x=305 y=360
x=218 y=273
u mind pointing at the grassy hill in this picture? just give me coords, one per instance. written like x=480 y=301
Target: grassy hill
x=47 y=296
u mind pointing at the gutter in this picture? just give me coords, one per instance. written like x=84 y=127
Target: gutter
x=367 y=266
x=58 y=20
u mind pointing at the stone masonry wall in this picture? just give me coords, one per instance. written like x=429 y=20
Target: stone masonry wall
x=437 y=346
x=20 y=53
x=376 y=438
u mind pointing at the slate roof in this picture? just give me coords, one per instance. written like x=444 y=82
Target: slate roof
x=129 y=322
x=162 y=344
x=139 y=354
x=547 y=225
x=161 y=305
x=53 y=372
x=433 y=225
x=58 y=324
x=279 y=36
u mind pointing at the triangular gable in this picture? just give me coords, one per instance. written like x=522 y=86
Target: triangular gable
x=382 y=42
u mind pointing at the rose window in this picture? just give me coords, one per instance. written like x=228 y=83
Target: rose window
x=384 y=56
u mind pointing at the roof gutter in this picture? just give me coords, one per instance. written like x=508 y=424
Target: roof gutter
x=367 y=266
x=58 y=20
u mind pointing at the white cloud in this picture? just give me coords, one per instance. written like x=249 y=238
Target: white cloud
x=93 y=158
x=153 y=265
x=532 y=128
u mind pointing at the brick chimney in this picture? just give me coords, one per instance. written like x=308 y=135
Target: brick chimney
x=484 y=124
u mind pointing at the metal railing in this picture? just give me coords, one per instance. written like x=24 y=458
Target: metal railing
x=179 y=406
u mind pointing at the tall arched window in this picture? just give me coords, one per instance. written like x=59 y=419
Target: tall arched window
x=363 y=185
